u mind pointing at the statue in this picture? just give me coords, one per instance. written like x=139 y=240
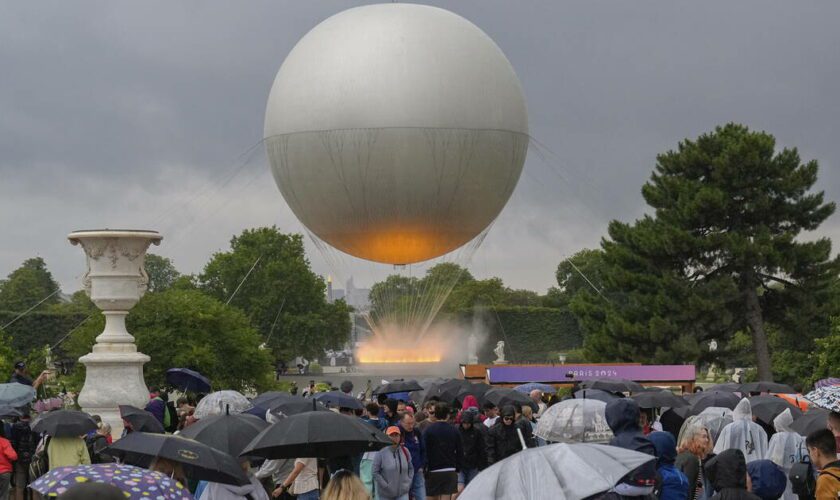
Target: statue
x=500 y=353
x=472 y=354
x=712 y=374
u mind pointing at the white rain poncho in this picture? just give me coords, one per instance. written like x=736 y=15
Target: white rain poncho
x=786 y=448
x=743 y=434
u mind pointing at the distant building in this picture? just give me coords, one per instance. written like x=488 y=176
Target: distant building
x=358 y=298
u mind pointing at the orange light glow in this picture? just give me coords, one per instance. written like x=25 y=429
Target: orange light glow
x=391 y=344
x=374 y=354
x=405 y=244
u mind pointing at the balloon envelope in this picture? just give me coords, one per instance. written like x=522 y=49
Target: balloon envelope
x=412 y=140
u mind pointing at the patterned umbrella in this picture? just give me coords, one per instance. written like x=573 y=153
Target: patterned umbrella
x=136 y=482
x=825 y=397
x=827 y=382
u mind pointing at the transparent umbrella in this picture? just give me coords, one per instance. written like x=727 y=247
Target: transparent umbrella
x=218 y=403
x=557 y=471
x=575 y=421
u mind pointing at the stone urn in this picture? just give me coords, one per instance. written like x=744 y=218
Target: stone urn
x=115 y=281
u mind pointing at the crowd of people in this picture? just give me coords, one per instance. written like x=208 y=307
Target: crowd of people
x=438 y=447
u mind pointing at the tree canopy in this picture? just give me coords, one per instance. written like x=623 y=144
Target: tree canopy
x=720 y=245
x=162 y=273
x=27 y=285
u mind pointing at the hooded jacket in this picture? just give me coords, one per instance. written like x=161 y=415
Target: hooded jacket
x=623 y=418
x=470 y=403
x=392 y=472
x=218 y=491
x=503 y=440
x=673 y=483
x=786 y=448
x=743 y=434
x=472 y=441
x=768 y=480
x=728 y=474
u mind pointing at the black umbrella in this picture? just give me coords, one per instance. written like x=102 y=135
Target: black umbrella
x=141 y=420
x=264 y=399
x=478 y=390
x=445 y=391
x=706 y=399
x=673 y=419
x=728 y=387
x=296 y=406
x=337 y=399
x=65 y=423
x=198 y=460
x=597 y=394
x=398 y=386
x=321 y=434
x=812 y=420
x=188 y=380
x=766 y=387
x=612 y=385
x=227 y=433
x=767 y=407
x=659 y=399
x=502 y=396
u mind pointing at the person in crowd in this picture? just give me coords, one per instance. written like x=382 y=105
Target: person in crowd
x=372 y=417
x=8 y=456
x=392 y=469
x=444 y=455
x=25 y=442
x=470 y=404
x=623 y=418
x=786 y=448
x=168 y=468
x=822 y=448
x=67 y=451
x=672 y=484
x=743 y=434
x=430 y=416
x=302 y=482
x=491 y=414
x=503 y=440
x=727 y=471
x=251 y=491
x=537 y=397
x=428 y=409
x=834 y=427
x=97 y=443
x=767 y=480
x=157 y=406
x=694 y=451
x=344 y=485
x=391 y=414
x=347 y=388
x=366 y=465
x=20 y=376
x=474 y=448
x=413 y=441
x=278 y=469
x=528 y=421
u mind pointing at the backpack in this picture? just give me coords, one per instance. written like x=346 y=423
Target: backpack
x=25 y=442
x=802 y=480
x=170 y=417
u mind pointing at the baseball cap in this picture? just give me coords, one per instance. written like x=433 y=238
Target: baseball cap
x=20 y=365
x=392 y=430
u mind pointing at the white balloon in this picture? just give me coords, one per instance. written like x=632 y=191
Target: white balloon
x=396 y=132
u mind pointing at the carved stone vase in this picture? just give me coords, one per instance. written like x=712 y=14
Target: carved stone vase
x=115 y=281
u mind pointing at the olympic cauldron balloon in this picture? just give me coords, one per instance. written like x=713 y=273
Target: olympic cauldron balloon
x=396 y=132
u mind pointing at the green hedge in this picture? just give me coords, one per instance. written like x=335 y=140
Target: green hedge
x=37 y=329
x=531 y=334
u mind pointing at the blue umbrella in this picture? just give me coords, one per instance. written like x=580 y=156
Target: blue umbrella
x=527 y=388
x=16 y=395
x=187 y=380
x=337 y=399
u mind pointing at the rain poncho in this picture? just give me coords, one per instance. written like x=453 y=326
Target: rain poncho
x=743 y=434
x=786 y=448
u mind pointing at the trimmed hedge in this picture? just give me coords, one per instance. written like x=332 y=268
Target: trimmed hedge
x=531 y=334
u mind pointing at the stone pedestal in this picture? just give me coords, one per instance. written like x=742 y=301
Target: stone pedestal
x=115 y=281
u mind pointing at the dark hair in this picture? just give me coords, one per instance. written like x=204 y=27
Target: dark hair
x=441 y=410
x=381 y=399
x=392 y=405
x=822 y=440
x=488 y=406
x=372 y=408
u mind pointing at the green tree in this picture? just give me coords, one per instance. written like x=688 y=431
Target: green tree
x=189 y=329
x=7 y=356
x=28 y=285
x=826 y=357
x=581 y=273
x=727 y=212
x=281 y=295
x=162 y=273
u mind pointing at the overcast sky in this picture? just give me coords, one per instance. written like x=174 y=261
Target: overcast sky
x=142 y=115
